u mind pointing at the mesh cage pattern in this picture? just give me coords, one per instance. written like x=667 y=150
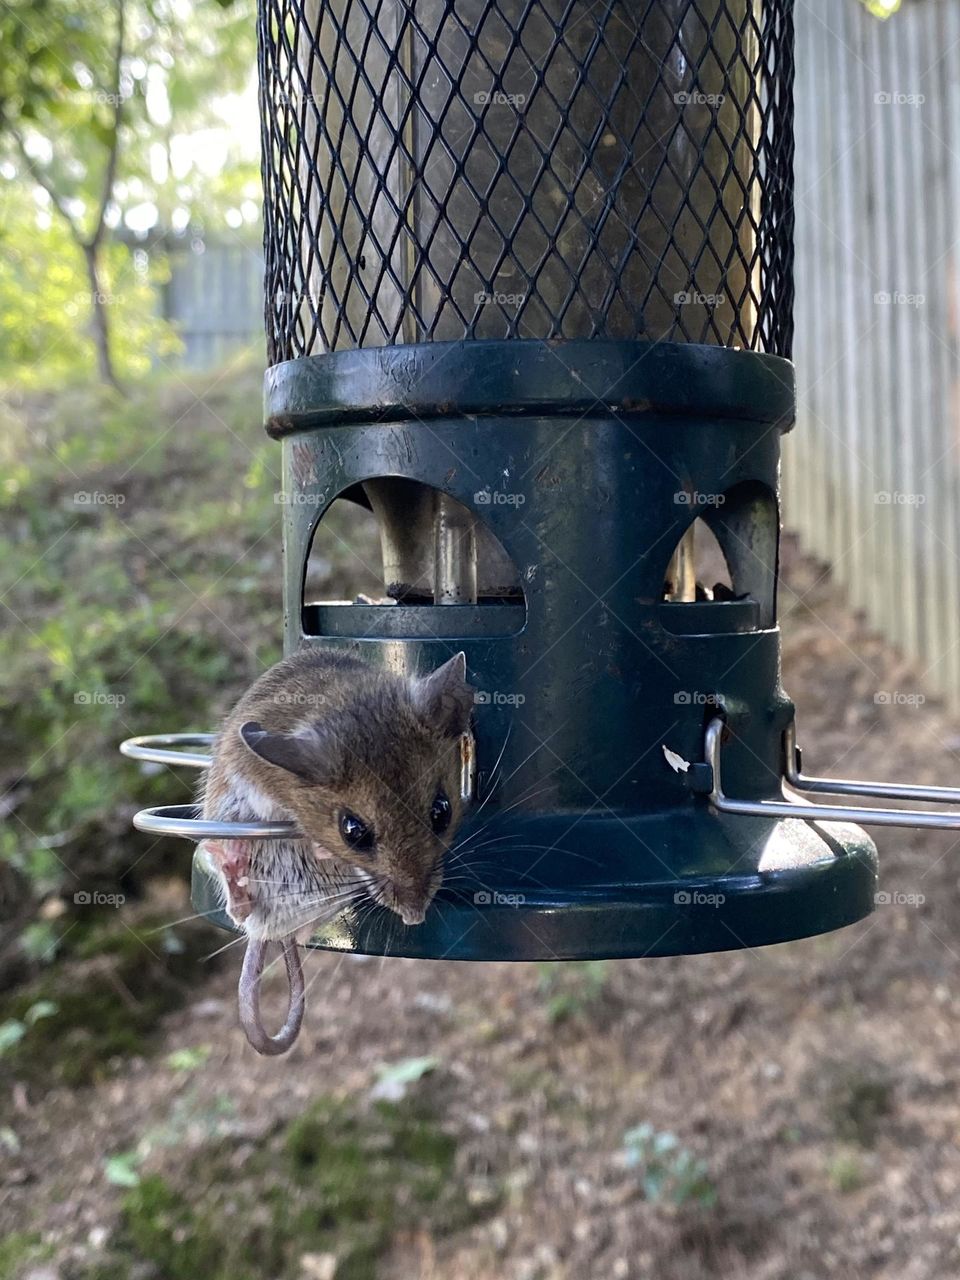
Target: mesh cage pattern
x=444 y=169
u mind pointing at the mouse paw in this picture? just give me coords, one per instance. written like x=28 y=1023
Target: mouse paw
x=232 y=860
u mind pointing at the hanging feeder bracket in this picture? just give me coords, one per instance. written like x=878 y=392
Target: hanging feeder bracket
x=703 y=778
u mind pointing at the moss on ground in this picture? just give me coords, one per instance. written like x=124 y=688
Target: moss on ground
x=107 y=1003
x=18 y=1251
x=340 y=1180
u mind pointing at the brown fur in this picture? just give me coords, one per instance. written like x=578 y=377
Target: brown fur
x=320 y=733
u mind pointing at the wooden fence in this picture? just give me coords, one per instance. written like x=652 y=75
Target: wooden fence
x=214 y=299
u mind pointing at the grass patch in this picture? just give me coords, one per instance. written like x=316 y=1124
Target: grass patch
x=106 y=1004
x=17 y=1251
x=340 y=1180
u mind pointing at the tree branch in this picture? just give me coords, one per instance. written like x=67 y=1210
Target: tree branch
x=41 y=179
x=110 y=173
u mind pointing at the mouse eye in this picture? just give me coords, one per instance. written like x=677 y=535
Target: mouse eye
x=355 y=832
x=440 y=813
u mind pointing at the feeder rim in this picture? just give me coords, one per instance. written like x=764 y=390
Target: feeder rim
x=528 y=377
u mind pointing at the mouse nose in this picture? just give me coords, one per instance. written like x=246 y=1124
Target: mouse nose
x=412 y=915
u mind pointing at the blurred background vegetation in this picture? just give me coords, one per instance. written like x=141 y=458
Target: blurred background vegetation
x=127 y=142
x=125 y=128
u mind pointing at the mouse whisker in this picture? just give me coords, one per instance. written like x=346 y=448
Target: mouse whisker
x=522 y=879
x=496 y=767
x=517 y=769
x=355 y=879
x=330 y=905
x=467 y=848
x=319 y=973
x=536 y=788
x=172 y=924
x=550 y=848
x=567 y=853
x=234 y=942
x=456 y=849
x=334 y=891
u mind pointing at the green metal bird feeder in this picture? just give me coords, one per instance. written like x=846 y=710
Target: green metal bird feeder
x=528 y=301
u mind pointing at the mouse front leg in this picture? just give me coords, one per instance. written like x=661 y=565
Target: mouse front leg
x=232 y=860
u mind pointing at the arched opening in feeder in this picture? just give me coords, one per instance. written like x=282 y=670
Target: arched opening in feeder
x=428 y=564
x=726 y=556
x=345 y=563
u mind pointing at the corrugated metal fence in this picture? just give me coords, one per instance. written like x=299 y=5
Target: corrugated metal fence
x=871 y=474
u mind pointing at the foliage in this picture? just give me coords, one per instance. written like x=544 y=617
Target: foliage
x=75 y=1022
x=121 y=1170
x=45 y=301
x=881 y=8
x=859 y=1098
x=13 y=1030
x=395 y=1078
x=18 y=1250
x=58 y=96
x=106 y=112
x=668 y=1172
x=846 y=1172
x=340 y=1181
x=140 y=554
x=138 y=569
x=190 y=1058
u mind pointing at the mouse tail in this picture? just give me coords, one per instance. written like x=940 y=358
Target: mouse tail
x=249 y=997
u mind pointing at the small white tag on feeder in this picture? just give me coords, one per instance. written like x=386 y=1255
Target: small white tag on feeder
x=676 y=763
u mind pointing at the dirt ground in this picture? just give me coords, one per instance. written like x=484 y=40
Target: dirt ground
x=819 y=1082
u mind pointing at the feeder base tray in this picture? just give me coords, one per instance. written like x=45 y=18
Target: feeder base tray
x=607 y=887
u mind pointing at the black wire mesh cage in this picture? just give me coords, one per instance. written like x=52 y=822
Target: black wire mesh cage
x=446 y=169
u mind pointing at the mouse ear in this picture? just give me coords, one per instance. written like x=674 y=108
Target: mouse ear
x=307 y=754
x=443 y=699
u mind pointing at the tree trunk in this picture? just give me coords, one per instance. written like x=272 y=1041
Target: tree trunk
x=101 y=327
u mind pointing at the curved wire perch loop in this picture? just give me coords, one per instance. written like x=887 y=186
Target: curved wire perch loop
x=159 y=748
x=249 y=997
x=812 y=812
x=180 y=820
x=857 y=787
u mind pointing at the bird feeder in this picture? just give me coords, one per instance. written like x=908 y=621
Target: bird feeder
x=528 y=295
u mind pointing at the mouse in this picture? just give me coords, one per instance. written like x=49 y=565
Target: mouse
x=367 y=765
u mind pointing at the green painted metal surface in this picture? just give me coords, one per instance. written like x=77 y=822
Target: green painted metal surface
x=588 y=461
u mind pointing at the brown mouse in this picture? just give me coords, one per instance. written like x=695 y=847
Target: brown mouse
x=367 y=765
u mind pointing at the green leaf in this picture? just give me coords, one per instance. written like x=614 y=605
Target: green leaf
x=11 y=1033
x=9 y=1141
x=121 y=1171
x=394 y=1077
x=42 y=1009
x=189 y=1059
